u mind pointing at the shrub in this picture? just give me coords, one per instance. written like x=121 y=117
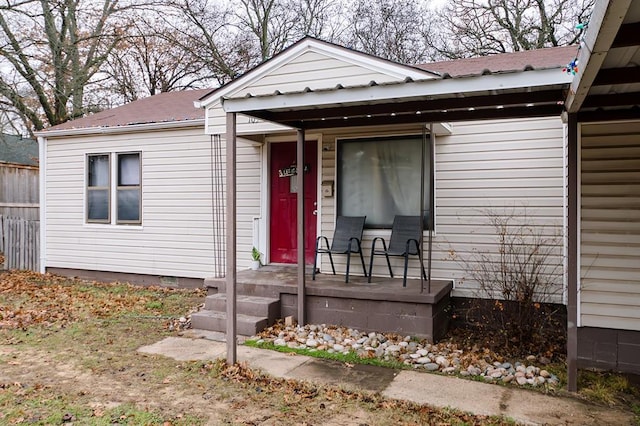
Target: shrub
x=521 y=275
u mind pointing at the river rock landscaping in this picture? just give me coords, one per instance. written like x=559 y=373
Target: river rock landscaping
x=445 y=357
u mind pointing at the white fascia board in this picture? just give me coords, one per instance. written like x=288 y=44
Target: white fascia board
x=605 y=21
x=402 y=91
x=133 y=128
x=357 y=58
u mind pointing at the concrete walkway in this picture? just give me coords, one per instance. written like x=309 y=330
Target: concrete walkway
x=522 y=405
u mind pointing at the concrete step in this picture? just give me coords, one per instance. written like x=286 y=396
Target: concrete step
x=246 y=325
x=247 y=305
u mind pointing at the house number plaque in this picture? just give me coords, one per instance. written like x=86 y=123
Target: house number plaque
x=291 y=171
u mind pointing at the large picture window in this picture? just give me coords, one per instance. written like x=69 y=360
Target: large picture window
x=120 y=182
x=381 y=177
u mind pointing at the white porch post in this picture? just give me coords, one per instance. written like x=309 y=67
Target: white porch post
x=301 y=227
x=230 y=227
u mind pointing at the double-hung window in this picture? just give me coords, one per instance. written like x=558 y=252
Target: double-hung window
x=114 y=178
x=98 y=188
x=382 y=177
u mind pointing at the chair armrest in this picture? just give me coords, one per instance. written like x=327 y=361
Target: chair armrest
x=409 y=241
x=373 y=245
x=318 y=241
x=357 y=240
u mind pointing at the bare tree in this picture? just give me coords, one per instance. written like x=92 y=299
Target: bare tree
x=391 y=29
x=151 y=59
x=208 y=31
x=482 y=27
x=49 y=52
x=271 y=22
x=319 y=18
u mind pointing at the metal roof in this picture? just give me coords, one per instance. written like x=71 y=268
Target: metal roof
x=527 y=92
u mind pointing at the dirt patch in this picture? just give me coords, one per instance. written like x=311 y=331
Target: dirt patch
x=104 y=391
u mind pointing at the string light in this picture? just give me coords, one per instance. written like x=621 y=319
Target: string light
x=572 y=67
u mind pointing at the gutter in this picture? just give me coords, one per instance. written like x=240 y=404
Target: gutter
x=127 y=128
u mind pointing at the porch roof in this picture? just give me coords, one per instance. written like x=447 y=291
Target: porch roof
x=607 y=86
x=522 y=93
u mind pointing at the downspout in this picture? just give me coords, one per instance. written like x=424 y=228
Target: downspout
x=42 y=160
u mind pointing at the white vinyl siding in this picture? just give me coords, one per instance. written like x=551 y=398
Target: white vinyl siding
x=175 y=238
x=610 y=226
x=499 y=165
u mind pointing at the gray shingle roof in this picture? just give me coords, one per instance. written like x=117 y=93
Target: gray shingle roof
x=18 y=150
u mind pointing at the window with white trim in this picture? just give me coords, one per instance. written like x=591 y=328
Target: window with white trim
x=380 y=177
x=114 y=177
x=98 y=188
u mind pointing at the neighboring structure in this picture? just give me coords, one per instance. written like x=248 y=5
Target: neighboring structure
x=18 y=150
x=134 y=195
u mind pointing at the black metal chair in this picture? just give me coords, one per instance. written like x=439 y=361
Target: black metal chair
x=405 y=241
x=347 y=238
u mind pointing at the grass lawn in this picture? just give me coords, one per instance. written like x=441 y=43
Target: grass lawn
x=68 y=356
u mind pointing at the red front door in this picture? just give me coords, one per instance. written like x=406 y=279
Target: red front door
x=283 y=209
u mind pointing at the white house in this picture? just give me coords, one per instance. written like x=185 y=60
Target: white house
x=139 y=196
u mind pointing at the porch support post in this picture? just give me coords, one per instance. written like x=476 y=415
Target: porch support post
x=230 y=227
x=432 y=199
x=572 y=249
x=301 y=227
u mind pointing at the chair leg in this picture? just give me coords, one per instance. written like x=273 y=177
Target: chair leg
x=388 y=263
x=346 y=280
x=364 y=268
x=333 y=268
x=373 y=253
x=424 y=274
x=315 y=261
x=406 y=264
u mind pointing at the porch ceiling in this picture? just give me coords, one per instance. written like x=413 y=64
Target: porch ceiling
x=528 y=93
x=608 y=82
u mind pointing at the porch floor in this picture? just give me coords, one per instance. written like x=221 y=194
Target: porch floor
x=383 y=305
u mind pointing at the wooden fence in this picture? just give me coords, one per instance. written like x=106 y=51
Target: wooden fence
x=19 y=191
x=20 y=242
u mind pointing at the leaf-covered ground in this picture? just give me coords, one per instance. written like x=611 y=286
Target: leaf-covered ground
x=30 y=299
x=68 y=355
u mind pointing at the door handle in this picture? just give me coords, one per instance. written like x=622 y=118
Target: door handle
x=315 y=212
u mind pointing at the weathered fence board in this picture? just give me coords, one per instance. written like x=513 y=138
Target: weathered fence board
x=20 y=243
x=19 y=194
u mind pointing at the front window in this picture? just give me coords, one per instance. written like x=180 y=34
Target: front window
x=116 y=177
x=98 y=188
x=381 y=177
x=128 y=191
